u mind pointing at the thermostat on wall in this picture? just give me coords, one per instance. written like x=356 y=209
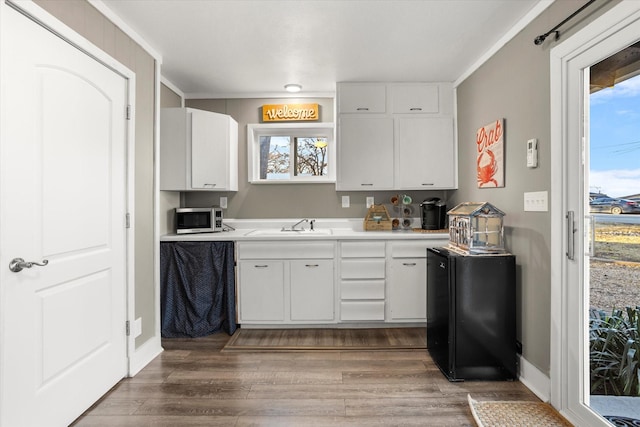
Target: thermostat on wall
x=532 y=153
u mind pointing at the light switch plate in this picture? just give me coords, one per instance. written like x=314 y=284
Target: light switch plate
x=537 y=201
x=346 y=202
x=370 y=201
x=223 y=202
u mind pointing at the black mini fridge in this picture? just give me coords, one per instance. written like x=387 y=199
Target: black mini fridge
x=471 y=306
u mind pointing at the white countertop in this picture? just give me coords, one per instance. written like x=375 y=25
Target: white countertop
x=325 y=229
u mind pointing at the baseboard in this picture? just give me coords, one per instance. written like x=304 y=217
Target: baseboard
x=535 y=380
x=144 y=355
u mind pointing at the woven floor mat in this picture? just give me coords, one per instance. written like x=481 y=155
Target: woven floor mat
x=515 y=414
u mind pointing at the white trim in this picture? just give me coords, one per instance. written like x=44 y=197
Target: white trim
x=535 y=11
x=253 y=151
x=283 y=94
x=534 y=380
x=145 y=354
x=126 y=28
x=601 y=38
x=156 y=211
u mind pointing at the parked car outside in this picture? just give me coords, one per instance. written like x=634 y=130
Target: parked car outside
x=593 y=196
x=613 y=205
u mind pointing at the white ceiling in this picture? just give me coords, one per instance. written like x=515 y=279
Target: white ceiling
x=248 y=48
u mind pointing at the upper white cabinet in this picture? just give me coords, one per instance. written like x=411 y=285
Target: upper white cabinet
x=396 y=136
x=365 y=153
x=362 y=98
x=426 y=155
x=415 y=98
x=198 y=151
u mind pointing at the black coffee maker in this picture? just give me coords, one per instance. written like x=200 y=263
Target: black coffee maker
x=434 y=214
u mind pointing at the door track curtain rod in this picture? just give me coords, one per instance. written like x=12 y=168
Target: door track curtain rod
x=541 y=38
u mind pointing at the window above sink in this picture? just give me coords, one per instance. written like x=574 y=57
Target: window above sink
x=291 y=153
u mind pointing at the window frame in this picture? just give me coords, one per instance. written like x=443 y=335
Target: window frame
x=255 y=131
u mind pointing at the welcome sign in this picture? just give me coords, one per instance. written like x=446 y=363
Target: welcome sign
x=289 y=112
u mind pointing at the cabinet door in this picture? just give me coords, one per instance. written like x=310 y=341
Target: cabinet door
x=261 y=290
x=312 y=290
x=415 y=98
x=408 y=289
x=365 y=154
x=208 y=150
x=426 y=153
x=362 y=98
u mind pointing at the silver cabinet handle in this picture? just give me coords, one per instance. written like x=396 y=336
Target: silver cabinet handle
x=261 y=266
x=362 y=108
x=18 y=264
x=312 y=265
x=415 y=109
x=409 y=264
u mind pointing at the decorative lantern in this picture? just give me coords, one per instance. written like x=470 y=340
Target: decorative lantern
x=476 y=228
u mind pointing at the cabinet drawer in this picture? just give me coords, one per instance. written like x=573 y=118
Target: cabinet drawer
x=416 y=249
x=362 y=289
x=285 y=250
x=362 y=98
x=362 y=268
x=362 y=310
x=415 y=99
x=366 y=249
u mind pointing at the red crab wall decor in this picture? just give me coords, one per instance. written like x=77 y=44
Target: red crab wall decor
x=490 y=160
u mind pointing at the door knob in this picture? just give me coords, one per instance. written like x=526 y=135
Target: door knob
x=17 y=264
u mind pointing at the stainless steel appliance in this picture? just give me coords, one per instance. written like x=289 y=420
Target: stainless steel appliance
x=471 y=315
x=198 y=220
x=434 y=214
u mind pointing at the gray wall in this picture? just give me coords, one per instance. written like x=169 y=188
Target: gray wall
x=514 y=85
x=282 y=200
x=87 y=21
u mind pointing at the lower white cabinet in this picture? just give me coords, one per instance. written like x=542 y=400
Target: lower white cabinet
x=294 y=282
x=407 y=280
x=312 y=296
x=286 y=282
x=262 y=296
x=362 y=281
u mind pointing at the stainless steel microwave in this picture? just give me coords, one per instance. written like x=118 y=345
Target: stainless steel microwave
x=198 y=220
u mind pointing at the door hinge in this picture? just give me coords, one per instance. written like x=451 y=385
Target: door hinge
x=127 y=219
x=128 y=328
x=128 y=112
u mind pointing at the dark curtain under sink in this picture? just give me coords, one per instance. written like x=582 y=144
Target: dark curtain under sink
x=197 y=284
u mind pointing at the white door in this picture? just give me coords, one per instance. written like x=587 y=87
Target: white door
x=63 y=194
x=570 y=62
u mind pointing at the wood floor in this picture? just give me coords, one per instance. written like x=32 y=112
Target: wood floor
x=193 y=383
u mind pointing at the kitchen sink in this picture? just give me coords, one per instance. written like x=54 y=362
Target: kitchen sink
x=288 y=233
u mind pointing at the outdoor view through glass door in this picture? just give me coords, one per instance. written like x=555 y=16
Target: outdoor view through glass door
x=613 y=175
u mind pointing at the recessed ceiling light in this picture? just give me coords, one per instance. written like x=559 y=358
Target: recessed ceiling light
x=293 y=87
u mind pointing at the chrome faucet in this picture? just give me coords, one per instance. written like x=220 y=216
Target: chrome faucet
x=293 y=227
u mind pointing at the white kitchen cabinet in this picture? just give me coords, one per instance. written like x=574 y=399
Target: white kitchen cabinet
x=262 y=295
x=365 y=153
x=415 y=98
x=284 y=282
x=198 y=151
x=362 y=281
x=407 y=280
x=426 y=153
x=363 y=98
x=312 y=290
x=408 y=145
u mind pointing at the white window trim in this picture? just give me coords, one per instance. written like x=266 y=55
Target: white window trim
x=254 y=131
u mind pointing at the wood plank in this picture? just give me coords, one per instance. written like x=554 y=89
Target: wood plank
x=195 y=383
